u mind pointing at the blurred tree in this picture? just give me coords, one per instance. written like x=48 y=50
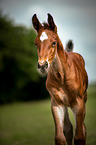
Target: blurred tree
x=19 y=79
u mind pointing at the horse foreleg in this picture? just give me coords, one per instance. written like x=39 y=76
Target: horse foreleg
x=58 y=115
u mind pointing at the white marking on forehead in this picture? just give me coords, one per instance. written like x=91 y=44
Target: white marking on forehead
x=43 y=36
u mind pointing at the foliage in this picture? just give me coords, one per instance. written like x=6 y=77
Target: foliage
x=19 y=78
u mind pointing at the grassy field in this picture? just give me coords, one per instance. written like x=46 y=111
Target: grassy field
x=32 y=123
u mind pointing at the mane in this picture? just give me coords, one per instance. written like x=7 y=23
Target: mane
x=46 y=25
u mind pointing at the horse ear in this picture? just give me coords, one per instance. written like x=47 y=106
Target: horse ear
x=37 y=25
x=51 y=23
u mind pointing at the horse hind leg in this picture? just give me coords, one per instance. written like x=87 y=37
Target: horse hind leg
x=68 y=128
x=80 y=131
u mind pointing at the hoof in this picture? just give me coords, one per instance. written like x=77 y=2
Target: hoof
x=60 y=141
x=79 y=141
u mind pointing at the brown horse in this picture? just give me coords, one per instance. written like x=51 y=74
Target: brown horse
x=67 y=82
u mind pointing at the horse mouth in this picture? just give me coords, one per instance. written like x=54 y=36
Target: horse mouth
x=43 y=72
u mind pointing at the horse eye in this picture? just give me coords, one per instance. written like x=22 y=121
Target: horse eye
x=54 y=43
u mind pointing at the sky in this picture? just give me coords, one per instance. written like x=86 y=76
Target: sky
x=75 y=19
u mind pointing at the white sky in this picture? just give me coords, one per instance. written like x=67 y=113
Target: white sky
x=75 y=19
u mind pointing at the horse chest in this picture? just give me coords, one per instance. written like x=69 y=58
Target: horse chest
x=57 y=93
x=63 y=97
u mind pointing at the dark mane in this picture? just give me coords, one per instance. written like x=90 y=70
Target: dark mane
x=46 y=25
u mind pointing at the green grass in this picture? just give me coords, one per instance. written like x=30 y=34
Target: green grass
x=26 y=124
x=32 y=123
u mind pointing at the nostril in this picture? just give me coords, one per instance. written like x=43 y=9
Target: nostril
x=42 y=66
x=38 y=65
x=46 y=64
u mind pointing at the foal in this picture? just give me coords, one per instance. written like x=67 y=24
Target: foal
x=66 y=83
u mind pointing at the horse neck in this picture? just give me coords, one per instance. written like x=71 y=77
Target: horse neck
x=62 y=55
x=59 y=64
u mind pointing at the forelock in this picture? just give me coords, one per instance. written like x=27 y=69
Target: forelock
x=46 y=26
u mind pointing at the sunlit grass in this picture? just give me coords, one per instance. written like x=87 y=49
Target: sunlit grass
x=32 y=123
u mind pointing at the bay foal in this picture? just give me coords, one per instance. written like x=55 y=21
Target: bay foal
x=67 y=82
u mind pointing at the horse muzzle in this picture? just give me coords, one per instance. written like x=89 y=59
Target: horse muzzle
x=43 y=67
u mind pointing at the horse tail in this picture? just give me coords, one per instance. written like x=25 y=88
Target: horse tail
x=69 y=46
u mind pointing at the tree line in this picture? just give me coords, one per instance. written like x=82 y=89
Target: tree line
x=19 y=78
